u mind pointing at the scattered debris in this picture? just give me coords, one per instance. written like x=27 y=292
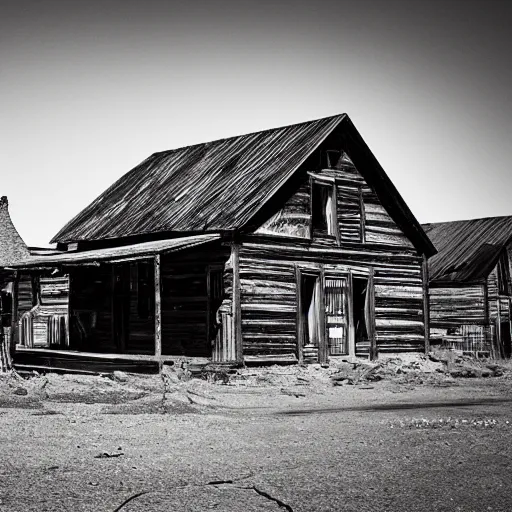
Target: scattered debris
x=292 y=393
x=120 y=376
x=106 y=455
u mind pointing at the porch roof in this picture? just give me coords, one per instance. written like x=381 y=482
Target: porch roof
x=116 y=254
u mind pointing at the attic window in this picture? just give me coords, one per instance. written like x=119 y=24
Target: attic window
x=332 y=158
x=323 y=209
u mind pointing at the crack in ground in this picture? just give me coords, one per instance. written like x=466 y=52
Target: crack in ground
x=270 y=497
x=125 y=502
x=215 y=483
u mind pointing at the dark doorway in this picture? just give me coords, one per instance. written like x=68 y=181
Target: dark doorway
x=311 y=338
x=121 y=305
x=360 y=288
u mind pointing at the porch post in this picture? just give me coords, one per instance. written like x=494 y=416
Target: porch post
x=158 y=312
x=371 y=315
x=14 y=315
x=237 y=310
x=426 y=304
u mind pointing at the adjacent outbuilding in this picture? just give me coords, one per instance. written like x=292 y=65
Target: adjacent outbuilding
x=470 y=287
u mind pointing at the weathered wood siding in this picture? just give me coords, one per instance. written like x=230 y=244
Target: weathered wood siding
x=43 y=315
x=294 y=217
x=454 y=306
x=458 y=317
x=369 y=238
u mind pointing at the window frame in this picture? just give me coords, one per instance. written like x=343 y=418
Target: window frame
x=330 y=184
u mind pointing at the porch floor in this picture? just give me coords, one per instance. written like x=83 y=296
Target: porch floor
x=41 y=359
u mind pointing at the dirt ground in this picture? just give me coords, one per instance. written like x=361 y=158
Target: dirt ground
x=405 y=435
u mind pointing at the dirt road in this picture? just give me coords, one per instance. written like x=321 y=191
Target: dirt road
x=73 y=446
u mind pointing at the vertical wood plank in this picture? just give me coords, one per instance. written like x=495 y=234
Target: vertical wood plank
x=323 y=349
x=68 y=316
x=14 y=317
x=350 y=310
x=299 y=323
x=362 y=214
x=371 y=315
x=334 y=213
x=158 y=309
x=426 y=303
x=237 y=308
x=498 y=328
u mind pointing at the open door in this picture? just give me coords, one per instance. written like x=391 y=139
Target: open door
x=311 y=338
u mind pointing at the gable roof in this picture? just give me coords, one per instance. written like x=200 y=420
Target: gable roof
x=12 y=246
x=221 y=185
x=468 y=250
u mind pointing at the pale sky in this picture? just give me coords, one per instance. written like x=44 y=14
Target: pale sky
x=90 y=89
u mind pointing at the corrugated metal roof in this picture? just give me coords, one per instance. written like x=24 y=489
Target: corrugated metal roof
x=113 y=254
x=467 y=249
x=12 y=246
x=213 y=186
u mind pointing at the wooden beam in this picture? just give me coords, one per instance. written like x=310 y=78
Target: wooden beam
x=334 y=213
x=323 y=352
x=158 y=310
x=426 y=303
x=371 y=315
x=498 y=328
x=351 y=333
x=14 y=316
x=362 y=214
x=299 y=323
x=236 y=304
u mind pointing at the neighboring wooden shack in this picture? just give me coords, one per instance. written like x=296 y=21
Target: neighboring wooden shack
x=288 y=245
x=12 y=251
x=470 y=287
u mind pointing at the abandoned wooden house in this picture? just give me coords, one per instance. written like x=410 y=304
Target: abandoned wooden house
x=12 y=251
x=287 y=245
x=470 y=287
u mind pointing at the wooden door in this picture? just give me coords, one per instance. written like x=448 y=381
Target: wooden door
x=337 y=315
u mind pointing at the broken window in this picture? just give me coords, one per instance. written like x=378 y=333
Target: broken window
x=323 y=214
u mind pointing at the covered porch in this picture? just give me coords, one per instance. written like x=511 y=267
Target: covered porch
x=133 y=307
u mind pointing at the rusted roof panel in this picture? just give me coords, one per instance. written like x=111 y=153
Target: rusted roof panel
x=468 y=249
x=113 y=254
x=207 y=187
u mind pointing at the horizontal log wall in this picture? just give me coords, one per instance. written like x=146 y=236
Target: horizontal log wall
x=368 y=237
x=458 y=317
x=454 y=306
x=269 y=296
